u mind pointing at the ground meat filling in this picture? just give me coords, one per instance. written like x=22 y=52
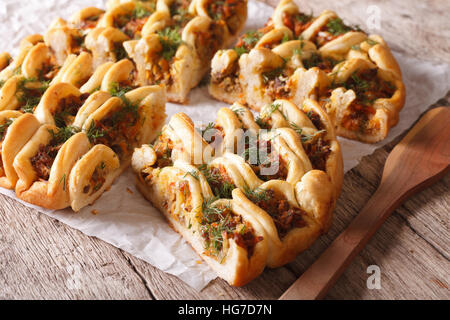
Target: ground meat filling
x=220 y=224
x=29 y=94
x=97 y=180
x=297 y=22
x=225 y=10
x=208 y=42
x=89 y=22
x=316 y=60
x=368 y=87
x=248 y=40
x=132 y=23
x=317 y=149
x=220 y=182
x=3 y=129
x=276 y=83
x=261 y=161
x=316 y=146
x=118 y=130
x=285 y=216
x=163 y=149
x=68 y=109
x=43 y=160
x=179 y=11
x=229 y=82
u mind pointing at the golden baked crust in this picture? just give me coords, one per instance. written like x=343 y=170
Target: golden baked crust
x=182 y=195
x=189 y=170
x=179 y=39
x=73 y=146
x=298 y=56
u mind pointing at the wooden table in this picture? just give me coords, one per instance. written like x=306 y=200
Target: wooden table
x=42 y=258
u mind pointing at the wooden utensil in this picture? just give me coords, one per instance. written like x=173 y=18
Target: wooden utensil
x=419 y=160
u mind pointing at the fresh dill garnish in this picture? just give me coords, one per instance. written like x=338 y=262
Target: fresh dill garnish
x=238 y=110
x=285 y=38
x=360 y=84
x=170 y=39
x=309 y=137
x=4 y=126
x=221 y=188
x=296 y=128
x=63 y=134
x=272 y=74
x=141 y=12
x=240 y=50
x=303 y=18
x=257 y=194
x=215 y=225
x=95 y=133
x=250 y=38
x=336 y=27
x=119 y=51
x=299 y=51
x=119 y=91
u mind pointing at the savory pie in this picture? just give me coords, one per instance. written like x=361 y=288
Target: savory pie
x=245 y=193
x=352 y=75
x=67 y=132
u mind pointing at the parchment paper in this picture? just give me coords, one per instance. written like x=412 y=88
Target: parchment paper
x=125 y=219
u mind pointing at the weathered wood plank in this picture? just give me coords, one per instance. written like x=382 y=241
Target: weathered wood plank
x=42 y=258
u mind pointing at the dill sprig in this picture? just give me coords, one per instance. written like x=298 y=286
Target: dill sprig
x=220 y=188
x=257 y=195
x=337 y=26
x=95 y=133
x=63 y=134
x=4 y=126
x=170 y=39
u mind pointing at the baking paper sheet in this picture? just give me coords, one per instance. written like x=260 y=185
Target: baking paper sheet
x=125 y=219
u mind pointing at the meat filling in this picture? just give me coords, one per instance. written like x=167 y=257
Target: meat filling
x=285 y=216
x=118 y=130
x=97 y=180
x=226 y=10
x=368 y=87
x=68 y=109
x=220 y=224
x=297 y=22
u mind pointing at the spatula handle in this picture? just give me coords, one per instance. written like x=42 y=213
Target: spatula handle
x=320 y=277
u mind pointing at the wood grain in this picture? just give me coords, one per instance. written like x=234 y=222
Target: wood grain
x=411 y=248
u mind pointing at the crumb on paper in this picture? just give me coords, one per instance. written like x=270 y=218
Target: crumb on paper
x=129 y=191
x=94 y=212
x=199 y=261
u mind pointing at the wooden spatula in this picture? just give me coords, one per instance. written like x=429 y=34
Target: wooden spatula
x=419 y=160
